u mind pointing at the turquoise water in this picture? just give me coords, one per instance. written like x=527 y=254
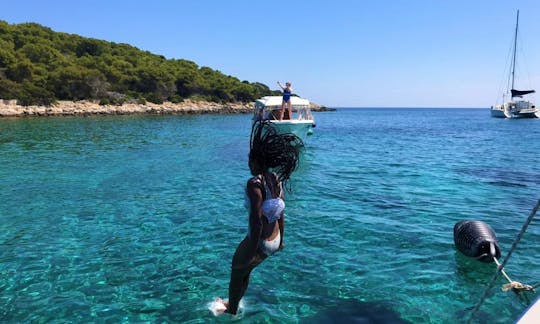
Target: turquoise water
x=135 y=219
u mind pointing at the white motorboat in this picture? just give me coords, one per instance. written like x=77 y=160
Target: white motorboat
x=301 y=123
x=519 y=108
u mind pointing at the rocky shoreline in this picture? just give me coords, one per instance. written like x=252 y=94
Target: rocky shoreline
x=9 y=108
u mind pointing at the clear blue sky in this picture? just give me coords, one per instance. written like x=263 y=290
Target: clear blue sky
x=386 y=53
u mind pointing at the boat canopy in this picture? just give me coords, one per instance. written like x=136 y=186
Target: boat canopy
x=519 y=93
x=274 y=102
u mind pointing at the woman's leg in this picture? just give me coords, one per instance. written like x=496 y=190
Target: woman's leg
x=240 y=276
x=237 y=288
x=282 y=110
x=289 y=106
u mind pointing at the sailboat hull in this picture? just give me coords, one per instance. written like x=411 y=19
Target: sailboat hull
x=525 y=115
x=501 y=114
x=515 y=109
x=530 y=115
x=497 y=113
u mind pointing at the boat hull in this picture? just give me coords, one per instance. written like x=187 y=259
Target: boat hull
x=497 y=113
x=525 y=115
x=531 y=315
x=300 y=128
x=506 y=112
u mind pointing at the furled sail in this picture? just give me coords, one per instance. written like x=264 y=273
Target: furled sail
x=519 y=93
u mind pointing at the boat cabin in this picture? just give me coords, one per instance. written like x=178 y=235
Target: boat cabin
x=267 y=108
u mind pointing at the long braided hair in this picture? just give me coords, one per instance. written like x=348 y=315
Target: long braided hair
x=273 y=151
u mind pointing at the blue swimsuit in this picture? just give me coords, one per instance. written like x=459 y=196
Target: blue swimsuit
x=286 y=94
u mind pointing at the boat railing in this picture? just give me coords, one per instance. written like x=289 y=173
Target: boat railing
x=271 y=112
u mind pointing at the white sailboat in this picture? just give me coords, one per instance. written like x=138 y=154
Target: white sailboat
x=518 y=108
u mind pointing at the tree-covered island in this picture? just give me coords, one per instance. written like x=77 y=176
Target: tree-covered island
x=39 y=66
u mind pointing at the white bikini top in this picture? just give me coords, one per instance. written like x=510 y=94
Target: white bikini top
x=271 y=207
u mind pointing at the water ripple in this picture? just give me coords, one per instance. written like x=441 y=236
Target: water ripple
x=136 y=219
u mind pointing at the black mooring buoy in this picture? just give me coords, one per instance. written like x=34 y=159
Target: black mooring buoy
x=476 y=239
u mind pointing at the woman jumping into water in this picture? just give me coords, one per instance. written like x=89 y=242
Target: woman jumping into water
x=272 y=159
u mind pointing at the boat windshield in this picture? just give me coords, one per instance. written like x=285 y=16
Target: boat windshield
x=267 y=108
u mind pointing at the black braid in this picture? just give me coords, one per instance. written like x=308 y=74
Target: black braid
x=275 y=152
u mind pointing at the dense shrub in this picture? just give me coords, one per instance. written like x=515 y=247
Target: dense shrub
x=38 y=65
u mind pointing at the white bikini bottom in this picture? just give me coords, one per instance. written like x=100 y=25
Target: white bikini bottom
x=270 y=247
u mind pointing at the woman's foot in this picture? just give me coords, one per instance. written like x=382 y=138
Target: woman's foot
x=221 y=306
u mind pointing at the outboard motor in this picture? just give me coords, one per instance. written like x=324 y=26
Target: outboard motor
x=476 y=239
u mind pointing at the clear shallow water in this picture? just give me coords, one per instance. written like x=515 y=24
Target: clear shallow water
x=130 y=219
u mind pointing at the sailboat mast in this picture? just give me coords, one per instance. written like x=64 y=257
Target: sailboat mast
x=515 y=50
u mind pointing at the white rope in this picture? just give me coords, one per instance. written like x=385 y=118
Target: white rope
x=514 y=285
x=502 y=270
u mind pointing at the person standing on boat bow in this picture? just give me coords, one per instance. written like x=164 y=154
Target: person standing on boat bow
x=273 y=157
x=287 y=91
